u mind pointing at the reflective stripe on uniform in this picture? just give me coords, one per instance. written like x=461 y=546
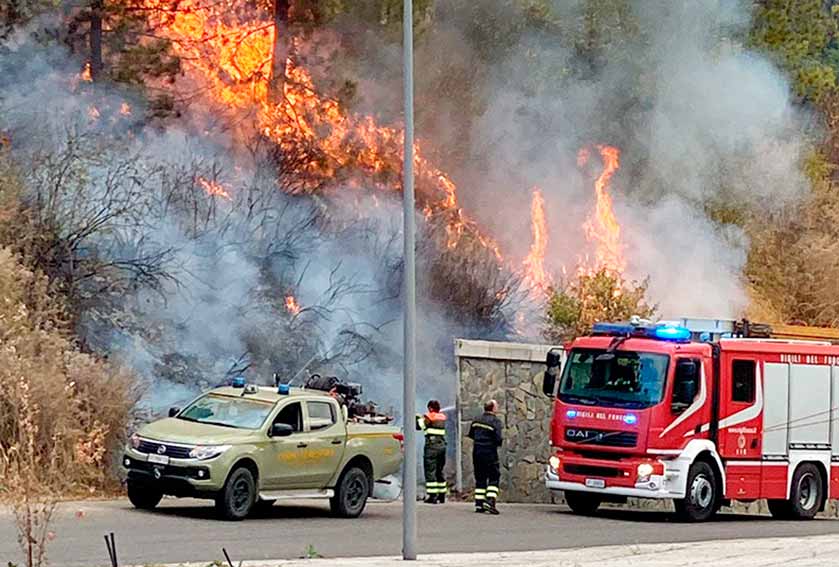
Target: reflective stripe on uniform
x=480 y=493
x=492 y=492
x=436 y=487
x=421 y=423
x=482 y=426
x=435 y=431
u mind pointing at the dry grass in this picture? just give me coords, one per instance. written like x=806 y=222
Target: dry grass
x=62 y=412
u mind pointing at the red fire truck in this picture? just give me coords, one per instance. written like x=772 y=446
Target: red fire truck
x=697 y=416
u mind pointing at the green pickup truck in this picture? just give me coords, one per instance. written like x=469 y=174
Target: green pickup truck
x=248 y=446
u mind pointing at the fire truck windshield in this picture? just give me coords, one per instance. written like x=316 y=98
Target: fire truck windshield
x=617 y=379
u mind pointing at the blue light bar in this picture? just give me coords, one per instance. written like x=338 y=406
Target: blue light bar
x=571 y=414
x=283 y=389
x=613 y=329
x=238 y=382
x=671 y=333
x=630 y=419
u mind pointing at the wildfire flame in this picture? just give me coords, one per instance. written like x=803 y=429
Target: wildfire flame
x=214 y=188
x=232 y=56
x=93 y=113
x=291 y=305
x=86 y=75
x=536 y=277
x=125 y=109
x=602 y=228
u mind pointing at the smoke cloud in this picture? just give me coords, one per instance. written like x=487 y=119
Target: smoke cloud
x=697 y=117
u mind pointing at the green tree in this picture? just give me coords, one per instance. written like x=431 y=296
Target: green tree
x=601 y=296
x=801 y=37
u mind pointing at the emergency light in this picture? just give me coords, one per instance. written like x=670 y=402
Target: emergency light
x=664 y=332
x=283 y=389
x=238 y=382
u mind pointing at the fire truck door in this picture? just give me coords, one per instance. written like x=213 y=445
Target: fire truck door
x=741 y=405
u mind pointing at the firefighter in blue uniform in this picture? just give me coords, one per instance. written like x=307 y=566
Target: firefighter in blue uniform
x=486 y=434
x=433 y=425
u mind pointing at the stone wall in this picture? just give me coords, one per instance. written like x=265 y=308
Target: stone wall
x=511 y=374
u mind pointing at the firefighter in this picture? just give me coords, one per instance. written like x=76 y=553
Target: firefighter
x=433 y=424
x=486 y=434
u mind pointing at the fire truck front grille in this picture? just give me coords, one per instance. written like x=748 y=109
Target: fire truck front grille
x=588 y=470
x=601 y=438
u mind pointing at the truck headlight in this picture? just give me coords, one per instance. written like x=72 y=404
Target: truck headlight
x=554 y=463
x=645 y=470
x=205 y=452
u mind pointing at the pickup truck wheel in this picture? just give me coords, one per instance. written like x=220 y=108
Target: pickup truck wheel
x=351 y=493
x=143 y=496
x=237 y=498
x=583 y=503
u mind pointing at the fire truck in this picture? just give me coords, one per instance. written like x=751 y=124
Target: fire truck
x=700 y=412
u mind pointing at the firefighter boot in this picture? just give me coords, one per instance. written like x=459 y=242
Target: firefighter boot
x=431 y=499
x=490 y=507
x=441 y=499
x=479 y=506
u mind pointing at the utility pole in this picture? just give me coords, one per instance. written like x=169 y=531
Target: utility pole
x=409 y=481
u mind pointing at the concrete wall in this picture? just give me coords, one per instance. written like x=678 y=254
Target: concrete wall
x=511 y=373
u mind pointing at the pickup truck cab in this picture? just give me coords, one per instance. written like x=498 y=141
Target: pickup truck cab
x=250 y=446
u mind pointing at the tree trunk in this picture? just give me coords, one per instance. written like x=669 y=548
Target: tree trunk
x=95 y=39
x=282 y=48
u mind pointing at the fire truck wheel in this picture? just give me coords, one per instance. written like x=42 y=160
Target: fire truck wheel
x=237 y=498
x=351 y=493
x=779 y=509
x=583 y=503
x=700 y=502
x=805 y=494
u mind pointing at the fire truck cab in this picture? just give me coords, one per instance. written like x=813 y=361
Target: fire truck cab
x=649 y=411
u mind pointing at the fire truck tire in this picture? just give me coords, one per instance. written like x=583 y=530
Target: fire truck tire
x=143 y=496
x=583 y=503
x=805 y=493
x=701 y=500
x=237 y=498
x=779 y=509
x=351 y=493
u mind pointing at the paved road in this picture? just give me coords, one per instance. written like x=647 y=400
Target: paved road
x=184 y=530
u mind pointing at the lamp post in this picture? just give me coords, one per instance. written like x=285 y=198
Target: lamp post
x=409 y=481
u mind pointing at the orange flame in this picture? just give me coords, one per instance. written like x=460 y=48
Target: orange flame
x=86 y=75
x=125 y=109
x=232 y=57
x=214 y=188
x=291 y=305
x=536 y=276
x=602 y=226
x=93 y=112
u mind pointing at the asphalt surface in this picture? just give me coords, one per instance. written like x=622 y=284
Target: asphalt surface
x=186 y=531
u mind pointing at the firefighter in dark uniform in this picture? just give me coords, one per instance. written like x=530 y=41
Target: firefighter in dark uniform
x=433 y=424
x=486 y=434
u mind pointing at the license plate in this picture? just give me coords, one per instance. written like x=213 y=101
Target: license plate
x=159 y=459
x=595 y=483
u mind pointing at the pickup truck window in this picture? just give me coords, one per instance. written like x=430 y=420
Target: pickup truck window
x=291 y=415
x=321 y=415
x=240 y=413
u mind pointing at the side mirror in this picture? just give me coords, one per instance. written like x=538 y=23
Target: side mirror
x=281 y=430
x=684 y=385
x=554 y=363
x=174 y=411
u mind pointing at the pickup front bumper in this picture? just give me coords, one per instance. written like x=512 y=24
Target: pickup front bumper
x=177 y=478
